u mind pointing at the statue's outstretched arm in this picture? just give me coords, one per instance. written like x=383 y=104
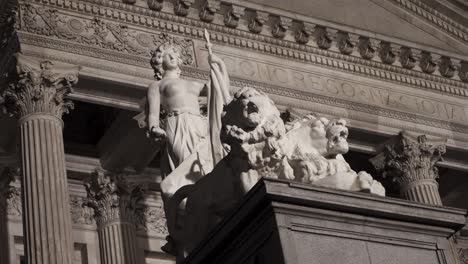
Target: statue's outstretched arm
x=154 y=102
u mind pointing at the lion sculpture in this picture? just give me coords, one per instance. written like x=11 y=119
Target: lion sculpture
x=310 y=152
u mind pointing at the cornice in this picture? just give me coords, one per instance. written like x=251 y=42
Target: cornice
x=152 y=20
x=436 y=18
x=199 y=74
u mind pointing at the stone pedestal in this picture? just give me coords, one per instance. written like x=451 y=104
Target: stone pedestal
x=285 y=222
x=117 y=210
x=36 y=97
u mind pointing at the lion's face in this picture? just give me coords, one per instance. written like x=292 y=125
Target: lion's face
x=337 y=135
x=248 y=109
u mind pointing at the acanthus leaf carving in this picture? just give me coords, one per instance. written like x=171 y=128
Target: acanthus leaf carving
x=155 y=220
x=208 y=10
x=407 y=58
x=347 y=42
x=409 y=158
x=80 y=213
x=447 y=67
x=257 y=21
x=368 y=47
x=388 y=52
x=39 y=87
x=463 y=72
x=155 y=5
x=233 y=15
x=182 y=7
x=304 y=32
x=280 y=27
x=428 y=62
x=113 y=198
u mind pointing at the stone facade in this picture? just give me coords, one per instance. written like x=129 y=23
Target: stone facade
x=396 y=65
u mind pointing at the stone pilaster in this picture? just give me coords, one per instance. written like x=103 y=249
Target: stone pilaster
x=117 y=210
x=409 y=160
x=6 y=177
x=36 y=97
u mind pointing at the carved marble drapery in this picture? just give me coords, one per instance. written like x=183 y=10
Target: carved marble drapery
x=36 y=97
x=117 y=210
x=409 y=160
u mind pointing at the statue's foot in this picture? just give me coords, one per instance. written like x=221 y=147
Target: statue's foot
x=170 y=247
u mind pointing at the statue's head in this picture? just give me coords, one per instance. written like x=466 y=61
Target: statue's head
x=166 y=57
x=337 y=137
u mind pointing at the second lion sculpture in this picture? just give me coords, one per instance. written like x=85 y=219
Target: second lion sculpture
x=259 y=146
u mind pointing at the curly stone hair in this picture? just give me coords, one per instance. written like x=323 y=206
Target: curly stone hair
x=157 y=55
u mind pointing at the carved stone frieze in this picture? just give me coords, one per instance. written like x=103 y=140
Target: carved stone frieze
x=388 y=52
x=347 y=42
x=81 y=214
x=100 y=33
x=407 y=58
x=368 y=47
x=208 y=10
x=304 y=32
x=155 y=5
x=428 y=62
x=233 y=15
x=39 y=86
x=257 y=21
x=280 y=27
x=155 y=220
x=113 y=198
x=182 y=7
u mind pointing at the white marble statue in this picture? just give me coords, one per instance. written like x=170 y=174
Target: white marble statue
x=191 y=147
x=310 y=152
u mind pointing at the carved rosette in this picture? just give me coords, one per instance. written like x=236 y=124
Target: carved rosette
x=155 y=5
x=280 y=27
x=409 y=160
x=182 y=7
x=114 y=199
x=304 y=32
x=233 y=15
x=257 y=21
x=347 y=42
x=40 y=87
x=407 y=58
x=208 y=10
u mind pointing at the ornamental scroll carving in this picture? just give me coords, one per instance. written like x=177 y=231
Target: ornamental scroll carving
x=97 y=32
x=155 y=220
x=113 y=198
x=39 y=87
x=81 y=214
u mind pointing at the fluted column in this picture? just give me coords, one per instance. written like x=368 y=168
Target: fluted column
x=409 y=160
x=36 y=97
x=117 y=209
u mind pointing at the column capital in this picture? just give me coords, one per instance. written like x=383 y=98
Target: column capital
x=410 y=157
x=40 y=87
x=113 y=198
